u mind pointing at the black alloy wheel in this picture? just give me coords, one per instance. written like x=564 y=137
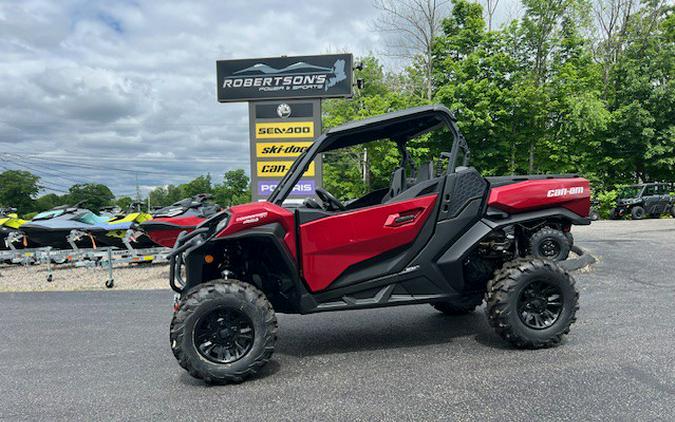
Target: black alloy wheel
x=531 y=303
x=549 y=248
x=540 y=304
x=550 y=243
x=223 y=331
x=224 y=335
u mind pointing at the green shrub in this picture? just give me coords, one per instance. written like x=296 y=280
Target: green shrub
x=607 y=201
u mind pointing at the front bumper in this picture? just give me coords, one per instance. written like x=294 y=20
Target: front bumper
x=185 y=244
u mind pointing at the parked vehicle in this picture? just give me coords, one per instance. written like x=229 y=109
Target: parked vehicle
x=185 y=215
x=9 y=223
x=52 y=228
x=449 y=239
x=645 y=200
x=113 y=232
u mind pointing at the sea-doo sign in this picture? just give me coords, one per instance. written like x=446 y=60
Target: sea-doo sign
x=322 y=76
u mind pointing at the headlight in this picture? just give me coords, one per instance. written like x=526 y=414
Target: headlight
x=222 y=224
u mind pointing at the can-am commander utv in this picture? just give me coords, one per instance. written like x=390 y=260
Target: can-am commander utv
x=645 y=200
x=449 y=238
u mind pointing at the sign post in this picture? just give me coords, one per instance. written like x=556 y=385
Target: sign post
x=284 y=96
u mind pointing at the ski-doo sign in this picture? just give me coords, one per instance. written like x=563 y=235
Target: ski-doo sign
x=285 y=77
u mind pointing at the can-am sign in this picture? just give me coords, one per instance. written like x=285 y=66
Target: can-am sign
x=285 y=77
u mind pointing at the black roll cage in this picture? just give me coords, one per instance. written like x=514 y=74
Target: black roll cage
x=399 y=126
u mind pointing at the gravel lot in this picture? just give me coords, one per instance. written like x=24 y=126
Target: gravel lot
x=17 y=278
x=105 y=355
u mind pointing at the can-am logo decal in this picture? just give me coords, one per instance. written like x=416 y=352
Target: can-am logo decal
x=284 y=130
x=281 y=149
x=294 y=77
x=252 y=218
x=575 y=190
x=279 y=168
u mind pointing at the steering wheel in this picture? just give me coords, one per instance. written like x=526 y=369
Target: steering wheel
x=329 y=201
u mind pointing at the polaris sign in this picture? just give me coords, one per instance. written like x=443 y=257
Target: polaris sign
x=322 y=76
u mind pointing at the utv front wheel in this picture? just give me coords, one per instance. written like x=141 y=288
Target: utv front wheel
x=223 y=331
x=637 y=213
x=531 y=303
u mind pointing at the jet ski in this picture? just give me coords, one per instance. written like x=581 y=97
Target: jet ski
x=9 y=223
x=184 y=215
x=51 y=228
x=113 y=232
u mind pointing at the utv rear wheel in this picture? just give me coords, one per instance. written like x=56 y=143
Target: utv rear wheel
x=637 y=213
x=223 y=331
x=550 y=244
x=531 y=303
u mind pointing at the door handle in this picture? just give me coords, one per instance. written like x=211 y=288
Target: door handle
x=402 y=218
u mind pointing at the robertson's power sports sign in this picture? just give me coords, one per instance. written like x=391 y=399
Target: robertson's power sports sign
x=322 y=76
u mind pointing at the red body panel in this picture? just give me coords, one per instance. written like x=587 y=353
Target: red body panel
x=165 y=230
x=573 y=194
x=332 y=244
x=245 y=216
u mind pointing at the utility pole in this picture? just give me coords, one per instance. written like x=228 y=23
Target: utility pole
x=138 y=190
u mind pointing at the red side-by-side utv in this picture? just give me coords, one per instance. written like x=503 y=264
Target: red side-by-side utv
x=443 y=236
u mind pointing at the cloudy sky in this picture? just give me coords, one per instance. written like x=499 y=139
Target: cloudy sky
x=125 y=90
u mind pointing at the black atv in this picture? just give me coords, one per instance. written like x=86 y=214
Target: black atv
x=645 y=200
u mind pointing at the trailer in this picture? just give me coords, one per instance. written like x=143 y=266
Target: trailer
x=103 y=257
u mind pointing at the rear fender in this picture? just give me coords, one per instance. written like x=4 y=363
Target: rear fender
x=557 y=214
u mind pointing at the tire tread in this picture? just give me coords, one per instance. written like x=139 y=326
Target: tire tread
x=212 y=290
x=500 y=291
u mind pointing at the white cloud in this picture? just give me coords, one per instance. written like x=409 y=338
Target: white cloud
x=131 y=84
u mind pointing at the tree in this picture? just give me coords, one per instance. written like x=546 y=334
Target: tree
x=201 y=184
x=640 y=141
x=350 y=172
x=234 y=190
x=124 y=202
x=412 y=27
x=49 y=201
x=94 y=195
x=490 y=9
x=18 y=189
x=481 y=80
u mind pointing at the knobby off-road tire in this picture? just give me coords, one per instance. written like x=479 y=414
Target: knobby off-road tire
x=637 y=213
x=463 y=307
x=508 y=297
x=214 y=303
x=672 y=211
x=550 y=244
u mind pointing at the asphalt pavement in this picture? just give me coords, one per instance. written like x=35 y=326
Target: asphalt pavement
x=106 y=355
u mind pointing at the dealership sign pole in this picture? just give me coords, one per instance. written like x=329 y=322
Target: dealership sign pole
x=284 y=96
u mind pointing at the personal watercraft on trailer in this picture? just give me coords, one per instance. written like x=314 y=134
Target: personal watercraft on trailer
x=9 y=223
x=114 y=231
x=52 y=228
x=185 y=215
